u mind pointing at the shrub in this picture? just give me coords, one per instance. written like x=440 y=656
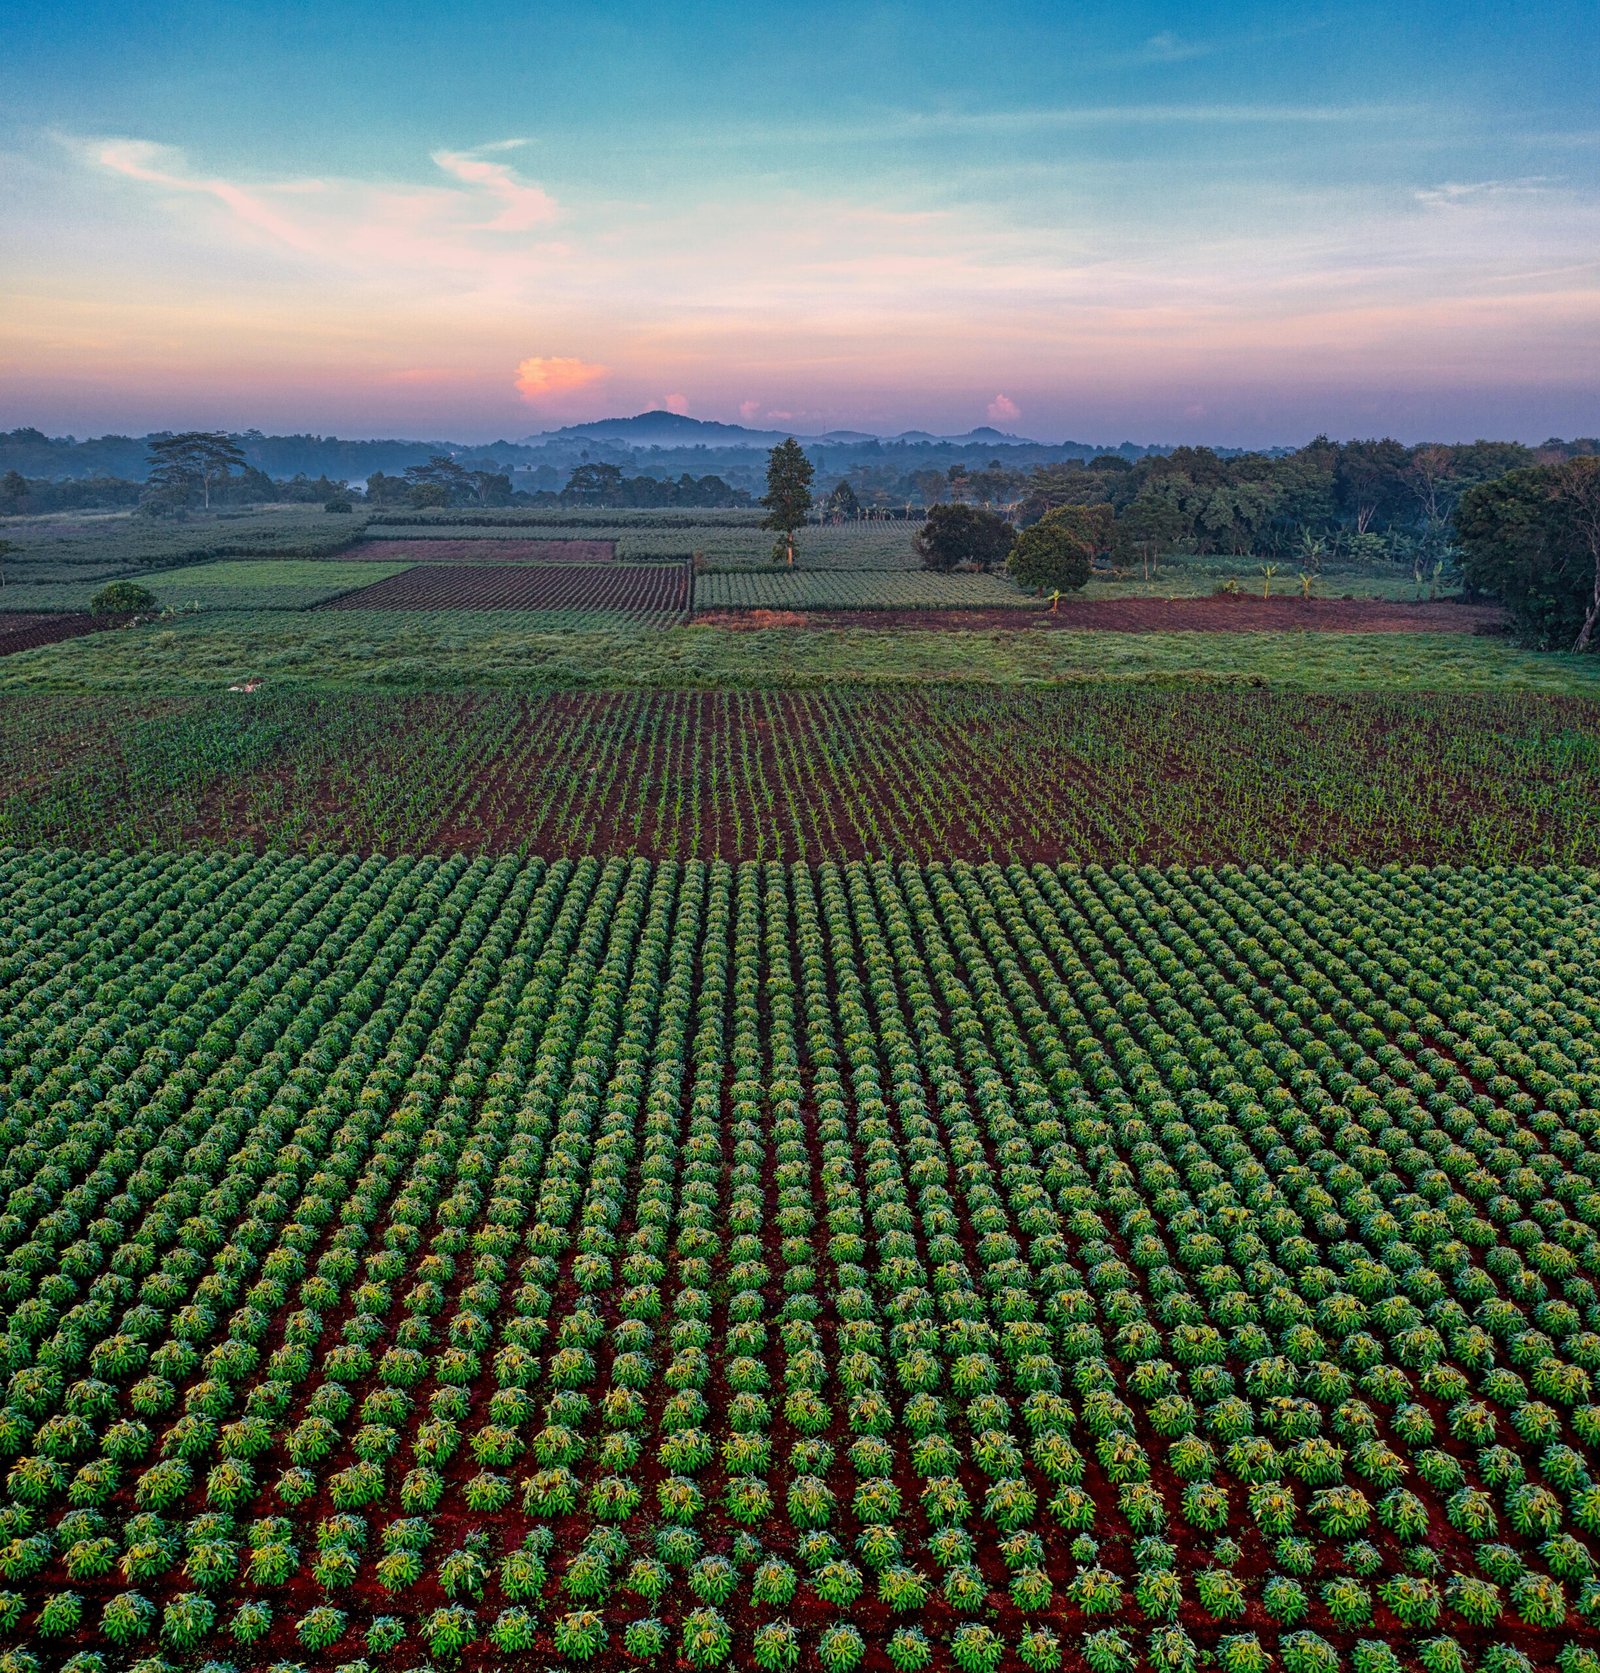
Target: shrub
x=123 y=598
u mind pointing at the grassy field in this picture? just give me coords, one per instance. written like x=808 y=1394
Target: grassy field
x=75 y=546
x=501 y=649
x=229 y=584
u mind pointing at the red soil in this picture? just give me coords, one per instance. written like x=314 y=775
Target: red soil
x=23 y=631
x=641 y=588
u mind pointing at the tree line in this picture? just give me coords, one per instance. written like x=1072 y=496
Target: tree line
x=1517 y=527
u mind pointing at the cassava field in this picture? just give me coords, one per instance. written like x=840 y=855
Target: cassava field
x=609 y=1107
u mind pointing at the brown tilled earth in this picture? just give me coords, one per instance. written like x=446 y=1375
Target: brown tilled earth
x=647 y=588
x=1154 y=615
x=21 y=630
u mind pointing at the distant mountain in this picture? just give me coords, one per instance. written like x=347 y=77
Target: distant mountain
x=661 y=429
x=674 y=429
x=984 y=433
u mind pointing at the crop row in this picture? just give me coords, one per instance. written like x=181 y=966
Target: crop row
x=434 y=549
x=1010 y=1267
x=90 y=546
x=808 y=589
x=975 y=772
x=658 y=592
x=232 y=584
x=721 y=540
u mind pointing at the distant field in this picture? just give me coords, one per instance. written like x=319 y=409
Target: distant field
x=87 y=546
x=793 y=589
x=478 y=548
x=653 y=592
x=238 y=584
x=720 y=542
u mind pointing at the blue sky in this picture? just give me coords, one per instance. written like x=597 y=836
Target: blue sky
x=1212 y=223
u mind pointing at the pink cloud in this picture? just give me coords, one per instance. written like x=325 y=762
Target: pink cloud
x=540 y=377
x=525 y=205
x=160 y=165
x=749 y=410
x=676 y=403
x=1003 y=410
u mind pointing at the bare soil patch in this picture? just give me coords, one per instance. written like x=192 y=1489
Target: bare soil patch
x=22 y=630
x=642 y=589
x=1154 y=615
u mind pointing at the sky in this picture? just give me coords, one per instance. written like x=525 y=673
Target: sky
x=1213 y=222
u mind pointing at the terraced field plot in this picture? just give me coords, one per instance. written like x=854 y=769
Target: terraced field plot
x=946 y=772
x=21 y=630
x=432 y=550
x=804 y=589
x=231 y=584
x=656 y=591
x=877 y=1265
x=723 y=540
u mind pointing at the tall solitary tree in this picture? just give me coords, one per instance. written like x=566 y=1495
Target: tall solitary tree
x=788 y=495
x=193 y=463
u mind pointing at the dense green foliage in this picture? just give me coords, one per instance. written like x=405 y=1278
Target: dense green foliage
x=958 y=533
x=1532 y=540
x=1057 y=553
x=122 y=598
x=788 y=495
x=470 y=1257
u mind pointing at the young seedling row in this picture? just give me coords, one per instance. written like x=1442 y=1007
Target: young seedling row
x=836 y=773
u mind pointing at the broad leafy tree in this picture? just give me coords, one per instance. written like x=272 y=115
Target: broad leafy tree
x=195 y=463
x=1058 y=552
x=843 y=506
x=1531 y=539
x=123 y=598
x=960 y=533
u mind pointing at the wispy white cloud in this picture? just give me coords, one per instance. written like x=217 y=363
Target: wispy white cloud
x=1455 y=194
x=1169 y=48
x=524 y=204
x=382 y=229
